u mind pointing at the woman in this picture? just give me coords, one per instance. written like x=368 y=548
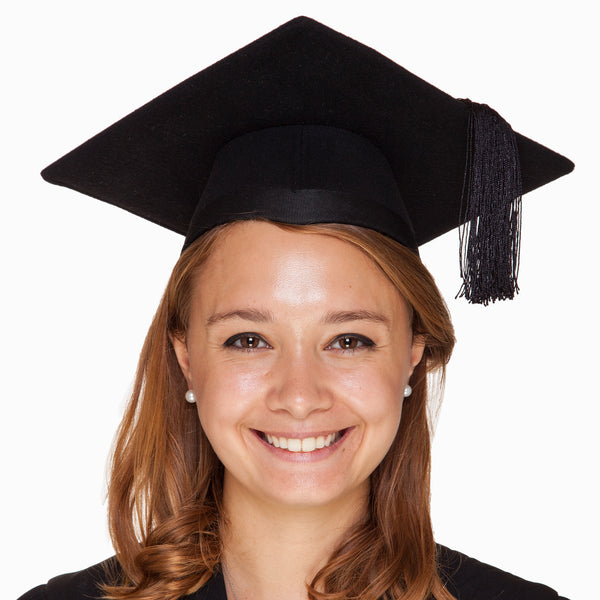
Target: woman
x=304 y=347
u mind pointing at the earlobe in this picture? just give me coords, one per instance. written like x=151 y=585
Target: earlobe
x=181 y=352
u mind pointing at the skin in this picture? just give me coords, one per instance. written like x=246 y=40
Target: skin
x=296 y=335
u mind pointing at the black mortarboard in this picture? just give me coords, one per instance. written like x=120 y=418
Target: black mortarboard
x=306 y=125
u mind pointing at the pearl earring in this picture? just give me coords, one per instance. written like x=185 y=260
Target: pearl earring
x=190 y=397
x=407 y=391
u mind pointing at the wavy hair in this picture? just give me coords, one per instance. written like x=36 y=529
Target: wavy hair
x=165 y=485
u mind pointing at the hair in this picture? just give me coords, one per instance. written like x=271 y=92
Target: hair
x=165 y=486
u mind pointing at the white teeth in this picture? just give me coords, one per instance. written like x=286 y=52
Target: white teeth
x=294 y=445
x=273 y=440
x=309 y=444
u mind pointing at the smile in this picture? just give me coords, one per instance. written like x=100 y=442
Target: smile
x=307 y=444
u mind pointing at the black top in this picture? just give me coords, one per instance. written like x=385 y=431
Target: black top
x=465 y=577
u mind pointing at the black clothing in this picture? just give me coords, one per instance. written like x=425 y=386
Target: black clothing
x=465 y=577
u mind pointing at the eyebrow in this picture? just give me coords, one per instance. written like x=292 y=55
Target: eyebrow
x=344 y=316
x=331 y=318
x=247 y=314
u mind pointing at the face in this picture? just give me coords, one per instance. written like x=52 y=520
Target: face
x=298 y=351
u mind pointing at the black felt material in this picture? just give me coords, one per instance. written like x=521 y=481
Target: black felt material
x=156 y=162
x=303 y=174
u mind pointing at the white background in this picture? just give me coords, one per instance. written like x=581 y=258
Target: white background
x=516 y=453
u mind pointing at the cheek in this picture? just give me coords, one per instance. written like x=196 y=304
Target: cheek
x=226 y=395
x=375 y=393
x=219 y=423
x=228 y=380
x=382 y=420
x=379 y=434
x=377 y=399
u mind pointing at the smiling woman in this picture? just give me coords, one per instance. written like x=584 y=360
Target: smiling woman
x=295 y=302
x=277 y=441
x=323 y=358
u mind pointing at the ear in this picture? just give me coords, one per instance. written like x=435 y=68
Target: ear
x=183 y=358
x=416 y=351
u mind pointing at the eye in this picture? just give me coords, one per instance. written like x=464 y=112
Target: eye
x=246 y=341
x=351 y=341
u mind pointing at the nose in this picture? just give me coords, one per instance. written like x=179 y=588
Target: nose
x=299 y=386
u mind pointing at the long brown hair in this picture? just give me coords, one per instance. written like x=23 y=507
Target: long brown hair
x=164 y=498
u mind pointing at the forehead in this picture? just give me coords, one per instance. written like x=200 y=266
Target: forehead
x=258 y=263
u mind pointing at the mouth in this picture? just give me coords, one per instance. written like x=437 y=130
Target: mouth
x=306 y=444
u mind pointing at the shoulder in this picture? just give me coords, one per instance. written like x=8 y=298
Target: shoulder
x=82 y=585
x=470 y=579
x=87 y=585
x=465 y=578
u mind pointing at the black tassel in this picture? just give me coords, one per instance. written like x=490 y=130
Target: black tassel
x=490 y=233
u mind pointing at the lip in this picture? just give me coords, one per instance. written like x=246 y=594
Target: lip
x=300 y=456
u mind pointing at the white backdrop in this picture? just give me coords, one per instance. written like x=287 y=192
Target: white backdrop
x=516 y=453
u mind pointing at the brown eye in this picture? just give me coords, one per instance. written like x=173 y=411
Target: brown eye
x=351 y=342
x=246 y=341
x=249 y=341
x=348 y=343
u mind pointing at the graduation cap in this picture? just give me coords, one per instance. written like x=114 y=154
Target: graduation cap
x=306 y=125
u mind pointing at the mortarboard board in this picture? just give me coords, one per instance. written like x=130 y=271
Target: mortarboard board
x=306 y=125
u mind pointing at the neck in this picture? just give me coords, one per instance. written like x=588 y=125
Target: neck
x=273 y=551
